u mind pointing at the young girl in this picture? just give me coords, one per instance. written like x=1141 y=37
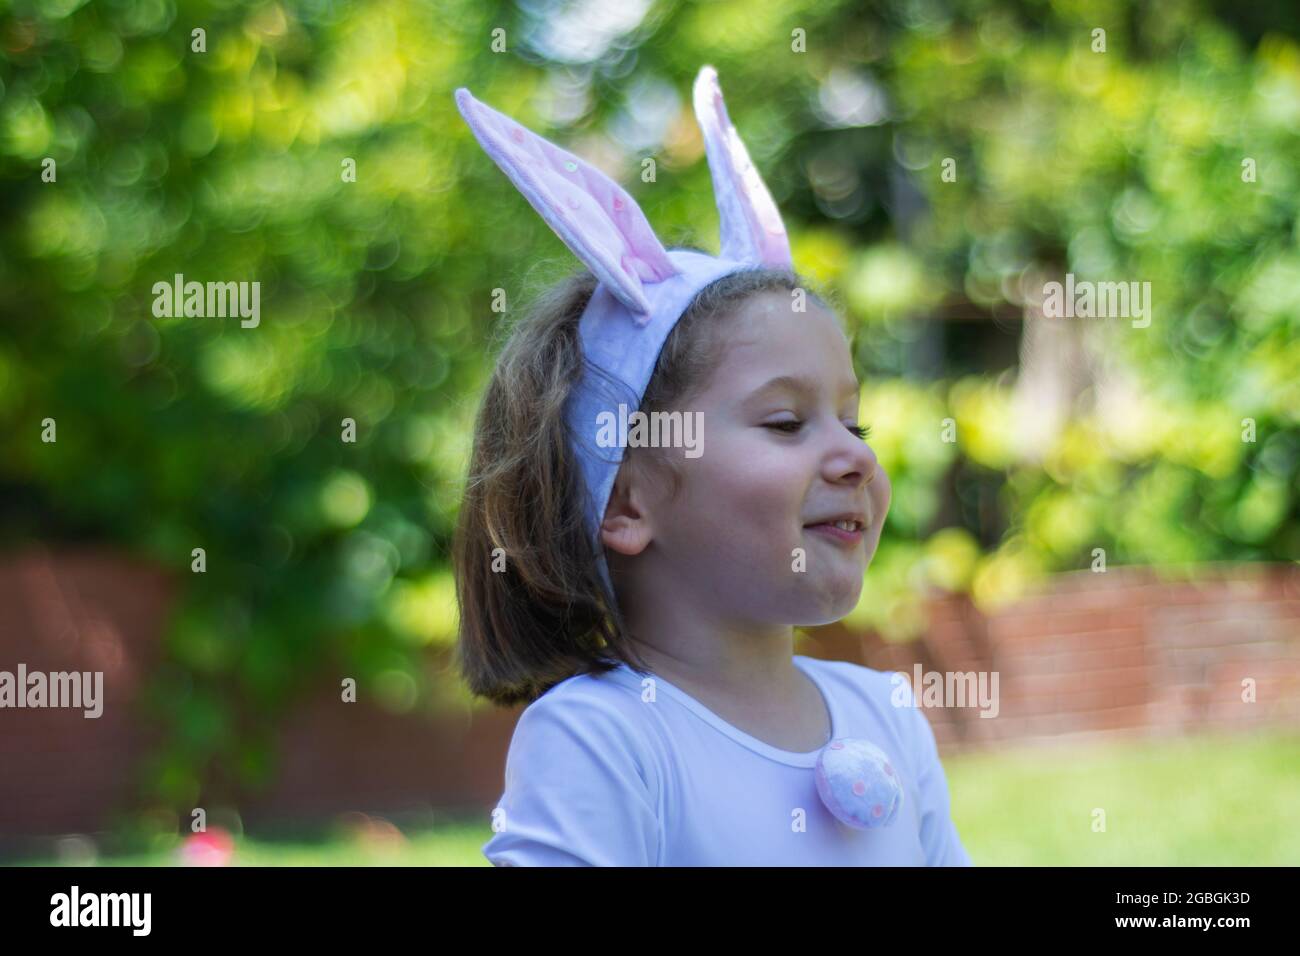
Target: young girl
x=638 y=587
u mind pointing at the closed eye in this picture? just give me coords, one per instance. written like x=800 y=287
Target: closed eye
x=787 y=427
x=862 y=431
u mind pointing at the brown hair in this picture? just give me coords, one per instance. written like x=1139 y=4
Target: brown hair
x=543 y=613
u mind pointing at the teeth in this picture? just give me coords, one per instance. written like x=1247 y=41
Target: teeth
x=847 y=525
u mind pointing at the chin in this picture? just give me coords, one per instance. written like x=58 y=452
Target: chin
x=829 y=606
x=821 y=619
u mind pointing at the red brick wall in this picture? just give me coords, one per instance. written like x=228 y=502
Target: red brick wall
x=1093 y=655
x=76 y=611
x=1114 y=654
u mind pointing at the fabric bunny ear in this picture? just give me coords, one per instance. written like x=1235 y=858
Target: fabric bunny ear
x=596 y=218
x=751 y=226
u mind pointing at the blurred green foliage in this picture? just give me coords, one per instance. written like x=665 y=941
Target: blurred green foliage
x=325 y=557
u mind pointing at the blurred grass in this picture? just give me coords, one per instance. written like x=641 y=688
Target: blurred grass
x=1209 y=800
x=452 y=844
x=1198 y=801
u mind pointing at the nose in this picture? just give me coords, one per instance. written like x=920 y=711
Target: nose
x=851 y=461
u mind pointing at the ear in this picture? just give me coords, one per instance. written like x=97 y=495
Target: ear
x=751 y=226
x=596 y=218
x=626 y=527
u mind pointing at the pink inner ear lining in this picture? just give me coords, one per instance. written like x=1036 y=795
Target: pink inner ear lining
x=636 y=266
x=603 y=226
x=751 y=223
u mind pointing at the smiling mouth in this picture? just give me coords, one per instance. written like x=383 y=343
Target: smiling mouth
x=845 y=534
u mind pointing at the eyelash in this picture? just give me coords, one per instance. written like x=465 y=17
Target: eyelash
x=862 y=431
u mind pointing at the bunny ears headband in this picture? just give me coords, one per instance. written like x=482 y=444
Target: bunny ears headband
x=643 y=288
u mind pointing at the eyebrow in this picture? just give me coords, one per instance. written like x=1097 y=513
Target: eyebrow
x=805 y=386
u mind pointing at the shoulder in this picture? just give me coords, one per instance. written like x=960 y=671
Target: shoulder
x=580 y=788
x=594 y=713
x=610 y=697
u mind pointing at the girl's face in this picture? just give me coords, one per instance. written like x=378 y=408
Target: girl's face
x=777 y=457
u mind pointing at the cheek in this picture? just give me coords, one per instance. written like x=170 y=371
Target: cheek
x=747 y=490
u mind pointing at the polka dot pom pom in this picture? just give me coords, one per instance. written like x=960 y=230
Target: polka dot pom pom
x=857 y=783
